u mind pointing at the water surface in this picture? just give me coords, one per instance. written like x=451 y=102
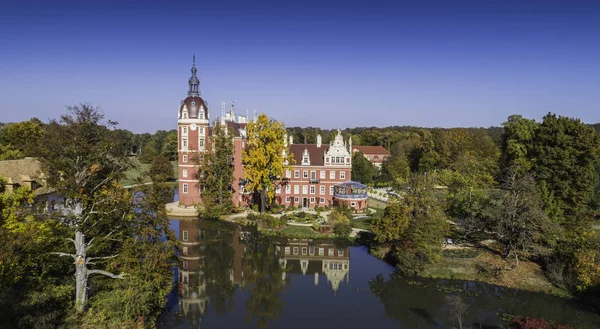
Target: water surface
x=232 y=277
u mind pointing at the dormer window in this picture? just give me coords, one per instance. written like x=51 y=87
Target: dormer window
x=184 y=114
x=305 y=158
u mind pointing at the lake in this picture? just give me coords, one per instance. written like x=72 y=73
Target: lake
x=231 y=276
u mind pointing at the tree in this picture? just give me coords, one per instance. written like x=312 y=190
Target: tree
x=265 y=158
x=457 y=307
x=9 y=152
x=82 y=160
x=216 y=174
x=169 y=149
x=362 y=169
x=566 y=153
x=395 y=168
x=394 y=222
x=23 y=135
x=518 y=220
x=148 y=153
x=161 y=169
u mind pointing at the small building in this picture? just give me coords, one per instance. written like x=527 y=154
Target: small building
x=23 y=172
x=375 y=154
x=352 y=195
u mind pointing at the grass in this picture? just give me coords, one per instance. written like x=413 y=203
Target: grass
x=302 y=231
x=362 y=222
x=467 y=266
x=133 y=174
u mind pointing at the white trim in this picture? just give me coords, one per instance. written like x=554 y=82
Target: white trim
x=188 y=165
x=188 y=180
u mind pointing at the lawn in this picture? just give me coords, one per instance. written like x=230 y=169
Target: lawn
x=133 y=174
x=299 y=230
x=363 y=222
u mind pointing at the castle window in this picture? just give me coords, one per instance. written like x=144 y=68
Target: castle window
x=312 y=189
x=322 y=189
x=193 y=103
x=288 y=189
x=304 y=189
x=342 y=175
x=184 y=130
x=330 y=252
x=331 y=190
x=185 y=158
x=340 y=252
x=184 y=143
x=312 y=200
x=322 y=174
x=201 y=143
x=184 y=173
x=332 y=174
x=287 y=250
x=184 y=236
x=185 y=188
x=305 y=174
x=278 y=189
x=201 y=130
x=322 y=200
x=296 y=189
x=184 y=114
x=296 y=173
x=352 y=204
x=295 y=250
x=321 y=251
x=185 y=250
x=288 y=173
x=201 y=114
x=304 y=250
x=311 y=250
x=288 y=199
x=296 y=200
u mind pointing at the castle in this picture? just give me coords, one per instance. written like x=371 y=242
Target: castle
x=320 y=175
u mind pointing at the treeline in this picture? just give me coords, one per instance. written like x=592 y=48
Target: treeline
x=534 y=190
x=17 y=141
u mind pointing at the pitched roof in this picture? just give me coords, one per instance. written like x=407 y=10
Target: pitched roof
x=370 y=149
x=22 y=170
x=316 y=154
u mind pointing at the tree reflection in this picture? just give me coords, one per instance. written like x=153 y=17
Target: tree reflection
x=265 y=278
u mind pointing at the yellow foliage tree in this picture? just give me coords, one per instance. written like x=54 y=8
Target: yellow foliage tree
x=265 y=157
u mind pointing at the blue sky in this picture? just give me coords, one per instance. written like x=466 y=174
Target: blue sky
x=318 y=63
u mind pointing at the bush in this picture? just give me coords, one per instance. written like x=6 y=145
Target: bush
x=520 y=322
x=342 y=229
x=410 y=261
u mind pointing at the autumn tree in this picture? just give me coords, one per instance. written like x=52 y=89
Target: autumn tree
x=216 y=173
x=23 y=136
x=394 y=222
x=265 y=158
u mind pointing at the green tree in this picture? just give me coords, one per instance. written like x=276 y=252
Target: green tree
x=395 y=169
x=83 y=162
x=169 y=149
x=148 y=153
x=566 y=153
x=9 y=152
x=517 y=143
x=362 y=169
x=216 y=174
x=23 y=135
x=394 y=222
x=265 y=158
x=518 y=220
x=161 y=169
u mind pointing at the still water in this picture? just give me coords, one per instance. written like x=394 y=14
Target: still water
x=230 y=276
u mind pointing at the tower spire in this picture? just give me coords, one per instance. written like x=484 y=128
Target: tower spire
x=194 y=82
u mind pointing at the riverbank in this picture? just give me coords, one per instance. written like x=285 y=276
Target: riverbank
x=484 y=264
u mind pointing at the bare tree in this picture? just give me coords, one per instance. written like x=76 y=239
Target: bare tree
x=457 y=308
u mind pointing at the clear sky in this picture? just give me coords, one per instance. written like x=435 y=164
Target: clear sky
x=319 y=63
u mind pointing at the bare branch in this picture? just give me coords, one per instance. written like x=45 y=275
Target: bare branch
x=64 y=254
x=96 y=258
x=114 y=276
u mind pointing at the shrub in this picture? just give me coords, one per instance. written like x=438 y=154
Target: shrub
x=520 y=322
x=342 y=229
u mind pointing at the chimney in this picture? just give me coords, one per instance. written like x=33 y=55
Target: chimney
x=318 y=140
x=291 y=139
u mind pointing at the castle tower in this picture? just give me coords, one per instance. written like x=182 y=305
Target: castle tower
x=192 y=132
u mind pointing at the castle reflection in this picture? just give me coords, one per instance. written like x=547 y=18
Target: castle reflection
x=218 y=258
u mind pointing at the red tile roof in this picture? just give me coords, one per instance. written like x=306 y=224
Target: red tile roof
x=370 y=149
x=316 y=154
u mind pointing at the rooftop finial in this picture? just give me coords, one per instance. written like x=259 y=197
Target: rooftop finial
x=194 y=82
